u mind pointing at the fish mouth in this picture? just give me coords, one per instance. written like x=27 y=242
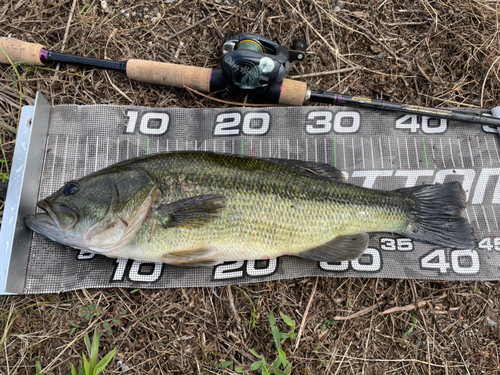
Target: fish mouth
x=55 y=217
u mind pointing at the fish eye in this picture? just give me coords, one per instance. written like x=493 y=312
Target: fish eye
x=71 y=188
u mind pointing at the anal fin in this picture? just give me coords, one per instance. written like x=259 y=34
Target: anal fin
x=201 y=256
x=191 y=254
x=204 y=262
x=348 y=247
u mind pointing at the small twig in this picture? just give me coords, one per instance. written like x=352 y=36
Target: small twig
x=189 y=27
x=344 y=70
x=409 y=307
x=343 y=357
x=359 y=313
x=485 y=78
x=304 y=317
x=231 y=303
x=66 y=32
x=461 y=356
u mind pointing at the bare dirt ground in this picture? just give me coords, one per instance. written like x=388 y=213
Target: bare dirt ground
x=435 y=53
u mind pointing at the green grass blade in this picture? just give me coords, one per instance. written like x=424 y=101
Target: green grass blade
x=288 y=321
x=73 y=370
x=272 y=319
x=257 y=365
x=87 y=344
x=86 y=365
x=277 y=371
x=94 y=351
x=254 y=353
x=104 y=362
x=282 y=357
x=38 y=368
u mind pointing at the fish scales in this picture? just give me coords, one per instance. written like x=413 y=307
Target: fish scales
x=270 y=210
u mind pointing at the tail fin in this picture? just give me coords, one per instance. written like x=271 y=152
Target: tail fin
x=436 y=211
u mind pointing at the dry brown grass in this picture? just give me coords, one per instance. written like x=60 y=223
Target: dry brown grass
x=434 y=53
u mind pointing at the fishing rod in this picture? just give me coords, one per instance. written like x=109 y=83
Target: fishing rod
x=251 y=63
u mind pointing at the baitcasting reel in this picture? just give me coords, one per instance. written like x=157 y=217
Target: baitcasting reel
x=252 y=62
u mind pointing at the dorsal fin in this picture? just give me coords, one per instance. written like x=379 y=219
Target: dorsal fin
x=308 y=168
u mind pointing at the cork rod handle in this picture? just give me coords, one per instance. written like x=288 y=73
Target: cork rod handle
x=170 y=74
x=293 y=92
x=19 y=51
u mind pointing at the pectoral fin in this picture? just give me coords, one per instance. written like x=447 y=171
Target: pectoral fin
x=191 y=212
x=341 y=248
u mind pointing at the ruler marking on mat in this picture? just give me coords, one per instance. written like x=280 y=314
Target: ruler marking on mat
x=307 y=150
x=416 y=153
x=480 y=152
x=65 y=156
x=363 y=153
x=54 y=164
x=373 y=156
x=460 y=152
x=316 y=149
x=442 y=152
x=470 y=152
x=495 y=217
x=433 y=153
x=117 y=149
x=381 y=153
x=343 y=150
x=76 y=159
x=451 y=154
x=496 y=149
x=407 y=153
x=425 y=154
x=486 y=219
x=399 y=154
x=488 y=150
x=475 y=215
x=86 y=156
x=96 y=152
x=326 y=151
x=353 y=155
x=391 y=160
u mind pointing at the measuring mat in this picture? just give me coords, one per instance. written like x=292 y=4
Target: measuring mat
x=375 y=149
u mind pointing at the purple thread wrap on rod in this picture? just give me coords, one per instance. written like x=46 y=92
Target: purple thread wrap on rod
x=44 y=56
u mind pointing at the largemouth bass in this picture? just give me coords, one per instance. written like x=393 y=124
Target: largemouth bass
x=196 y=208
